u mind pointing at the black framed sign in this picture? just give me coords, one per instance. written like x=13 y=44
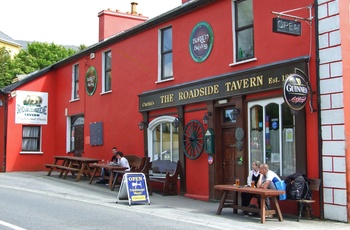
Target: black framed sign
x=295 y=91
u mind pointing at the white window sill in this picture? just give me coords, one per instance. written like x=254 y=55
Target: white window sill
x=73 y=100
x=242 y=62
x=165 y=80
x=106 y=92
x=35 y=153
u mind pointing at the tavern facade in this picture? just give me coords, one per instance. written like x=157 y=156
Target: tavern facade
x=206 y=79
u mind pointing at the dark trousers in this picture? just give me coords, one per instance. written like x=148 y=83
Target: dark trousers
x=246 y=198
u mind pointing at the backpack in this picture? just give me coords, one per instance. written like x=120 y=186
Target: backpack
x=298 y=187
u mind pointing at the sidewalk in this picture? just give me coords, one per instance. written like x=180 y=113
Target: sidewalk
x=170 y=207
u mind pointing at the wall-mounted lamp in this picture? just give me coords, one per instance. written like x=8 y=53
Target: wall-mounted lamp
x=1 y=103
x=206 y=117
x=176 y=122
x=142 y=125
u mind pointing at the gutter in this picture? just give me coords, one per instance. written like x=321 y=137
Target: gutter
x=5 y=94
x=320 y=161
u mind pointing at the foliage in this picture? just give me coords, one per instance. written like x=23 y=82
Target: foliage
x=37 y=56
x=5 y=59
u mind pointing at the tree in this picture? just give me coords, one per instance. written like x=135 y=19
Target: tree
x=37 y=56
x=5 y=61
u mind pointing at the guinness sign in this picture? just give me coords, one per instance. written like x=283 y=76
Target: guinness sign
x=295 y=91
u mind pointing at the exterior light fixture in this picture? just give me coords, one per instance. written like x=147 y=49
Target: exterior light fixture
x=206 y=117
x=176 y=122
x=142 y=125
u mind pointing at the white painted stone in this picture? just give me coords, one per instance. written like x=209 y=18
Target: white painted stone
x=330 y=55
x=329 y=24
x=324 y=71
x=335 y=212
x=333 y=8
x=339 y=164
x=322 y=11
x=337 y=101
x=334 y=180
x=336 y=69
x=327 y=164
x=326 y=101
x=328 y=195
x=338 y=132
x=326 y=132
x=333 y=148
x=333 y=85
x=334 y=38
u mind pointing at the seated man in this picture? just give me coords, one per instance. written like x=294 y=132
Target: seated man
x=105 y=172
x=267 y=180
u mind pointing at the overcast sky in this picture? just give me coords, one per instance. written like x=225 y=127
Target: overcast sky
x=67 y=22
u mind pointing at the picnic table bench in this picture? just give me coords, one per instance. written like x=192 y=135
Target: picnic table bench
x=167 y=173
x=264 y=193
x=79 y=165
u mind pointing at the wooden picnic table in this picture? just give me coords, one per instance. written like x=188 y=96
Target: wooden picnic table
x=111 y=168
x=65 y=164
x=264 y=193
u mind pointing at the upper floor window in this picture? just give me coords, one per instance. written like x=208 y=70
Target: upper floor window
x=107 y=71
x=75 y=82
x=31 y=138
x=244 y=25
x=166 y=54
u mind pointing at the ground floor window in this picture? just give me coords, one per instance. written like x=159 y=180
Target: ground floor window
x=163 y=139
x=31 y=138
x=272 y=135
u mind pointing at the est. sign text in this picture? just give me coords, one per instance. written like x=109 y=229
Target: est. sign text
x=285 y=26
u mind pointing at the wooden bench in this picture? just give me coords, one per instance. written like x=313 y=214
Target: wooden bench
x=167 y=173
x=62 y=168
x=314 y=186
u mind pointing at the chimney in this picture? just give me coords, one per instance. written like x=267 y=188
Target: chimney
x=113 y=22
x=133 y=7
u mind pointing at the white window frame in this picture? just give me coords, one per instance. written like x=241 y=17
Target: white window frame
x=40 y=140
x=234 y=51
x=104 y=70
x=264 y=103
x=75 y=82
x=160 y=56
x=152 y=125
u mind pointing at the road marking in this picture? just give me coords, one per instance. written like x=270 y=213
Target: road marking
x=11 y=225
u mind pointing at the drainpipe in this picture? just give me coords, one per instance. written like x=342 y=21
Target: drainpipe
x=3 y=169
x=319 y=109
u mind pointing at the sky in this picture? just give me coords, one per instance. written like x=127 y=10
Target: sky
x=67 y=22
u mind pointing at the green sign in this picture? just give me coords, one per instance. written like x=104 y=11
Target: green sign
x=201 y=41
x=91 y=80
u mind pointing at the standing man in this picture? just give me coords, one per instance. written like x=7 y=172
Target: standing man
x=105 y=172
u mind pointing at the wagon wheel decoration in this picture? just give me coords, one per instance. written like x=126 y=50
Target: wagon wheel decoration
x=193 y=139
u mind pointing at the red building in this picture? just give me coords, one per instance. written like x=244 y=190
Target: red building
x=219 y=60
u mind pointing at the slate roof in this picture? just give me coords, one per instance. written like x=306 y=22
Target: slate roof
x=5 y=38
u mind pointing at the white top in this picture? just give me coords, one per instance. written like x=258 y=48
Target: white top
x=123 y=162
x=250 y=176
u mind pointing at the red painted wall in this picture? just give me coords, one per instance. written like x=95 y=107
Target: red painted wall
x=135 y=70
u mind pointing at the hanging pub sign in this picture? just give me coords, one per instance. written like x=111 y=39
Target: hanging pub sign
x=285 y=26
x=201 y=41
x=295 y=91
x=91 y=80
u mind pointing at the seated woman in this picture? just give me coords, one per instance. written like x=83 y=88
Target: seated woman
x=254 y=175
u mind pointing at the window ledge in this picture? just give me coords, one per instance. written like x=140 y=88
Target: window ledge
x=242 y=62
x=107 y=92
x=73 y=100
x=165 y=80
x=27 y=153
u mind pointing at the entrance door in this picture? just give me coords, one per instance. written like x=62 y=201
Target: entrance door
x=229 y=150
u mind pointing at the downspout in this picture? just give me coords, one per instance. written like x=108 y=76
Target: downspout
x=320 y=144
x=3 y=168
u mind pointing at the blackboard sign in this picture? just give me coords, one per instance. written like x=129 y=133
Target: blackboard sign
x=134 y=188
x=285 y=26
